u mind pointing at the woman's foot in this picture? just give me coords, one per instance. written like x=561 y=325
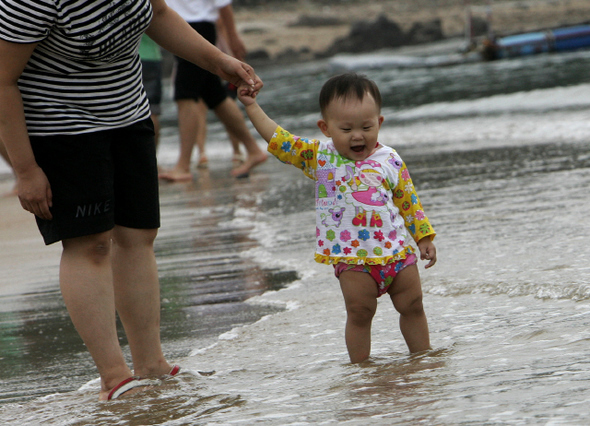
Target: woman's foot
x=173 y=372
x=128 y=387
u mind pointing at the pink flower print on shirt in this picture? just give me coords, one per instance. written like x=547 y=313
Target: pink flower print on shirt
x=345 y=236
x=317 y=232
x=392 y=235
x=379 y=236
x=420 y=215
x=347 y=250
x=405 y=174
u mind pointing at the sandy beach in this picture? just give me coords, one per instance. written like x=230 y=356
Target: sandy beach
x=274 y=27
x=509 y=312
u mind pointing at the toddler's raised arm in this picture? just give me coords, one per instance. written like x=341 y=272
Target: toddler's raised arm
x=264 y=125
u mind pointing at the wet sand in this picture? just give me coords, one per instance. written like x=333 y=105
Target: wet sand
x=205 y=282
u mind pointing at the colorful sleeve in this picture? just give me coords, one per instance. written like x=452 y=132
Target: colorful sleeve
x=407 y=201
x=291 y=149
x=26 y=21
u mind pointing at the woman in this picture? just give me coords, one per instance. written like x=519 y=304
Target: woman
x=75 y=121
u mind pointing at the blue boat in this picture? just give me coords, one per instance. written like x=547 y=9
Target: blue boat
x=571 y=38
x=557 y=40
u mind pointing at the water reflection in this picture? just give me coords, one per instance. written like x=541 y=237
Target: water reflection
x=392 y=387
x=205 y=284
x=202 y=272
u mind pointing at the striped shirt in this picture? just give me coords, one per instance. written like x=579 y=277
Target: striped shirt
x=85 y=73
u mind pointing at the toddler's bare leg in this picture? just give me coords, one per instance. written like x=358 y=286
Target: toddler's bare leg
x=360 y=296
x=406 y=295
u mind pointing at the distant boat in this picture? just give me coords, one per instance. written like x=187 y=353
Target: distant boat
x=557 y=40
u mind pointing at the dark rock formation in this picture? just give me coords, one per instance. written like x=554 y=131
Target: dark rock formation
x=368 y=36
x=425 y=32
x=316 y=21
x=364 y=36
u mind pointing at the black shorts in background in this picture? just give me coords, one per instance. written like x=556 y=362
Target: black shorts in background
x=151 y=75
x=99 y=180
x=193 y=82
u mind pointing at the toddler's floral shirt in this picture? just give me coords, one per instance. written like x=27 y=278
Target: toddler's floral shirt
x=367 y=211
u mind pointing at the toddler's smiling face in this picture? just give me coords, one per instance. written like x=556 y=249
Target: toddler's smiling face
x=353 y=124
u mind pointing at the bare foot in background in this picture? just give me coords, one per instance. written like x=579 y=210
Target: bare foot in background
x=176 y=175
x=251 y=161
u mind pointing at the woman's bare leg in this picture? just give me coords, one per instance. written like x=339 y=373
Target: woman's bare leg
x=137 y=296
x=86 y=280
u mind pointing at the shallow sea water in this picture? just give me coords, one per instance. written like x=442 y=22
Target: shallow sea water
x=500 y=155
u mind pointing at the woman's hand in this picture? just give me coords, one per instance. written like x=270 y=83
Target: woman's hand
x=34 y=193
x=239 y=74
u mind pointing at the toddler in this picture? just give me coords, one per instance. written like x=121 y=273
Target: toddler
x=367 y=209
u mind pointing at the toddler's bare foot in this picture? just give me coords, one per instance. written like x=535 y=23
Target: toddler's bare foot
x=176 y=175
x=251 y=161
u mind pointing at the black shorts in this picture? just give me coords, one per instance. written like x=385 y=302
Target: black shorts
x=99 y=180
x=193 y=82
x=151 y=72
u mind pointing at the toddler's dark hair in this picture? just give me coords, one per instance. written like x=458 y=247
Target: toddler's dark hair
x=346 y=86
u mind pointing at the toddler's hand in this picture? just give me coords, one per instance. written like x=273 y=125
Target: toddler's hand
x=246 y=95
x=427 y=251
